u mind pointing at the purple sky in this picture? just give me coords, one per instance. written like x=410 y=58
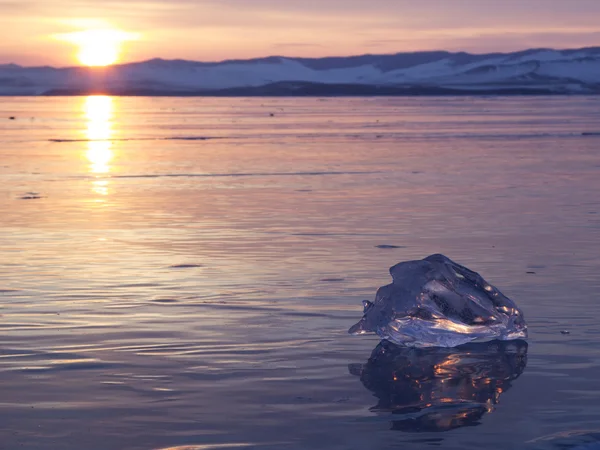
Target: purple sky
x=222 y=29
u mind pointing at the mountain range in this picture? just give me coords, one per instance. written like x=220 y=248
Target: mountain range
x=534 y=71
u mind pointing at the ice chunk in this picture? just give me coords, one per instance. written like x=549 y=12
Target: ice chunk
x=438 y=389
x=435 y=302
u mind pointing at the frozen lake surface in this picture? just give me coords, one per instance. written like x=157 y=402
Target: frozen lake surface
x=182 y=272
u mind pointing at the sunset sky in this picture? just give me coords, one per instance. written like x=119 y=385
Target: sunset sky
x=34 y=30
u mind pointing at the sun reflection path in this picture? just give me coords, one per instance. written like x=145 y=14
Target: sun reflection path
x=99 y=111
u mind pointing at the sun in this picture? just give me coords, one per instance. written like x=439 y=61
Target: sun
x=99 y=47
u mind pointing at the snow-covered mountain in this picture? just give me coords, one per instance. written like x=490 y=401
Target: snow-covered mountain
x=530 y=71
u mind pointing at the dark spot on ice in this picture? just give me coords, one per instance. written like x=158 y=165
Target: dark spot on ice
x=185 y=138
x=591 y=133
x=185 y=266
x=385 y=246
x=333 y=280
x=355 y=369
x=30 y=196
x=272 y=114
x=303 y=190
x=164 y=300
x=565 y=332
x=12 y=118
x=531 y=273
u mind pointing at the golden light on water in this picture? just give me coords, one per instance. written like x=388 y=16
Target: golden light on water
x=98 y=112
x=100 y=187
x=98 y=47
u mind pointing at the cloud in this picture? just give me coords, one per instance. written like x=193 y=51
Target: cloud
x=286 y=45
x=488 y=41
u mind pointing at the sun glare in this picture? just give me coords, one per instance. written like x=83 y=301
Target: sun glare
x=98 y=111
x=98 y=47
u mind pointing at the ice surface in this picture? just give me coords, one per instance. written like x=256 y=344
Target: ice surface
x=435 y=302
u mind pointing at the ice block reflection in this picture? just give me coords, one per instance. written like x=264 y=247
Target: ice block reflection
x=439 y=389
x=98 y=111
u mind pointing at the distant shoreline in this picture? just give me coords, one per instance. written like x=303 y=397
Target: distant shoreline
x=529 y=72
